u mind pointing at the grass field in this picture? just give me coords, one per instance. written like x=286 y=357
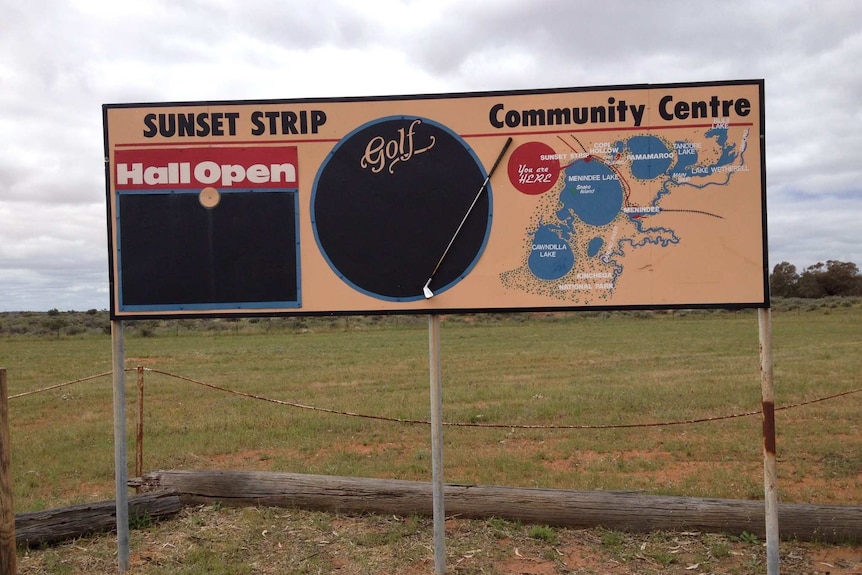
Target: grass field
x=501 y=371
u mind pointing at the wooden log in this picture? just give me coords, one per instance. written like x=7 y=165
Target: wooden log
x=56 y=525
x=624 y=511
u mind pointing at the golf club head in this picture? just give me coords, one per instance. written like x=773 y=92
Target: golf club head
x=427 y=291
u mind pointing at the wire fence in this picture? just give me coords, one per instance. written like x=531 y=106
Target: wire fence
x=427 y=422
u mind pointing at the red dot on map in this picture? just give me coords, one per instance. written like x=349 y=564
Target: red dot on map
x=534 y=168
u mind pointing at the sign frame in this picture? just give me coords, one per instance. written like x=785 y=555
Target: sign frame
x=647 y=196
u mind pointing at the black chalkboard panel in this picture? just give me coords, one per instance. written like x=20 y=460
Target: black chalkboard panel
x=177 y=254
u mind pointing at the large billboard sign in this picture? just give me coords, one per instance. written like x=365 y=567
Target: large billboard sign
x=644 y=196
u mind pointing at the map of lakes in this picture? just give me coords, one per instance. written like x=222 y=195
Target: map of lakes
x=611 y=199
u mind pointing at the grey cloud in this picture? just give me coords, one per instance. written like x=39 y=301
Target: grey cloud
x=59 y=61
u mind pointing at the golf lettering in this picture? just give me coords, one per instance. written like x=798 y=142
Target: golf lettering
x=380 y=153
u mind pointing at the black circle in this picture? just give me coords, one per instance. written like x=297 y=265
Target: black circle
x=389 y=199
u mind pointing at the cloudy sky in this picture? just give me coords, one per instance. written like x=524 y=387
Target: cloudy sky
x=60 y=60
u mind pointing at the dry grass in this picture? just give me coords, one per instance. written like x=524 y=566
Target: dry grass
x=210 y=540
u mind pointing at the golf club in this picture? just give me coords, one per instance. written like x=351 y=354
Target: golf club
x=426 y=289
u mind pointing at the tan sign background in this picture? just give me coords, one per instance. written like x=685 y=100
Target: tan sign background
x=614 y=197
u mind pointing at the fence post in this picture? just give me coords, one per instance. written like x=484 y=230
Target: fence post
x=139 y=435
x=7 y=513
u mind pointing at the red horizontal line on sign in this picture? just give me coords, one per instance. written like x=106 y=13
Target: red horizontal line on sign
x=478 y=135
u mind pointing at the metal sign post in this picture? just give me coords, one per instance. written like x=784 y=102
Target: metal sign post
x=120 y=470
x=770 y=477
x=437 y=444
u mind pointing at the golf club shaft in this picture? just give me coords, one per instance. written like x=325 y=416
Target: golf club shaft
x=469 y=210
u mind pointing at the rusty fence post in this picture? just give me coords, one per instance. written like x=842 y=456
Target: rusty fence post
x=770 y=476
x=7 y=513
